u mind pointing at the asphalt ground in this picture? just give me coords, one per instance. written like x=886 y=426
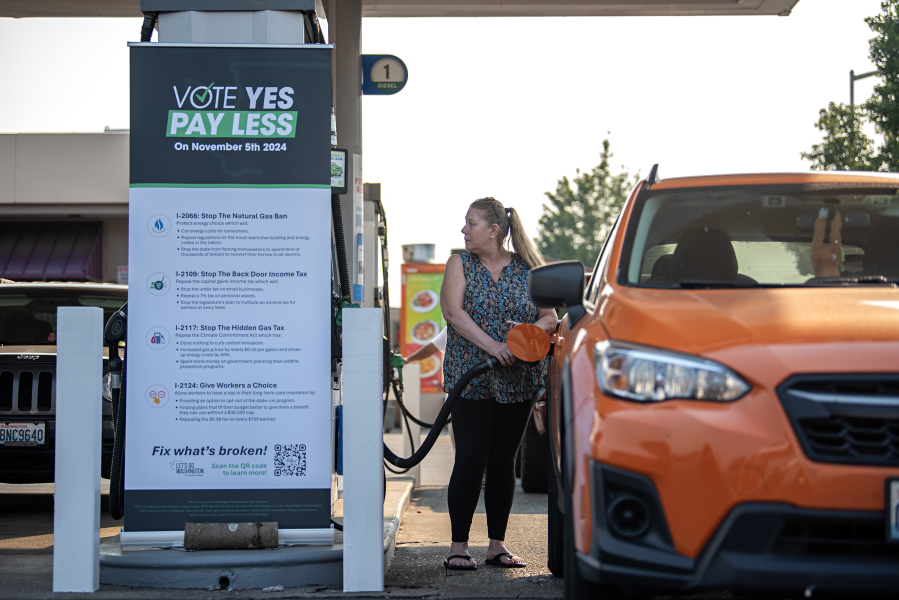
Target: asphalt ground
x=26 y=550
x=423 y=543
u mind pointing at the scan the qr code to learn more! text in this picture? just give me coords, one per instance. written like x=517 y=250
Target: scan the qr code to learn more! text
x=290 y=459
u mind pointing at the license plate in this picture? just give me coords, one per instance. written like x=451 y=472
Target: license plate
x=892 y=505
x=22 y=434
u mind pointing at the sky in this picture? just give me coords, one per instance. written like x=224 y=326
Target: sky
x=505 y=107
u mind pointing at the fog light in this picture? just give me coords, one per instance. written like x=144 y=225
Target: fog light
x=628 y=517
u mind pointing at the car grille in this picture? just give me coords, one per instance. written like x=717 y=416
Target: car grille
x=854 y=388
x=6 y=386
x=861 y=439
x=44 y=391
x=27 y=390
x=835 y=537
x=849 y=419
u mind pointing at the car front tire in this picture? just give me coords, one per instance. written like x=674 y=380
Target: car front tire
x=576 y=586
x=534 y=460
x=555 y=535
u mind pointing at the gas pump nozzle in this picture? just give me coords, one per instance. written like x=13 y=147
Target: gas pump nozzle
x=113 y=333
x=527 y=342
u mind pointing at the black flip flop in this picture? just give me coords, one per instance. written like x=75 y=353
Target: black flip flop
x=496 y=562
x=446 y=563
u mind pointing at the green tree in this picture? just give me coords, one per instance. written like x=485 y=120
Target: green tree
x=576 y=221
x=883 y=107
x=845 y=147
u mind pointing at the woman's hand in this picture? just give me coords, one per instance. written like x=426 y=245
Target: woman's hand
x=502 y=353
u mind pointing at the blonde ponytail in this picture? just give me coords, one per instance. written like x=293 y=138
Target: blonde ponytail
x=509 y=222
x=522 y=244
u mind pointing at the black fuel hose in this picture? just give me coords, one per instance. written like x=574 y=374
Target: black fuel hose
x=146 y=28
x=406 y=413
x=117 y=469
x=340 y=243
x=440 y=421
x=115 y=331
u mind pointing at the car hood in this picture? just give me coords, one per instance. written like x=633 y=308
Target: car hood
x=708 y=321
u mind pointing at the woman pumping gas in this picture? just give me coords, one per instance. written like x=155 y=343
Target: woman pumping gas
x=484 y=294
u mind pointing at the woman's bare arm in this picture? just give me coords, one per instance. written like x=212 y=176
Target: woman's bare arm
x=421 y=354
x=452 y=293
x=547 y=319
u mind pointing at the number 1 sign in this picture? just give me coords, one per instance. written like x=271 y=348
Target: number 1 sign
x=383 y=74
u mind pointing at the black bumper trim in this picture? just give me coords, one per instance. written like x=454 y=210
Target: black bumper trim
x=750 y=550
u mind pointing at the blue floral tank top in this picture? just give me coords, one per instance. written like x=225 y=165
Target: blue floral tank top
x=490 y=304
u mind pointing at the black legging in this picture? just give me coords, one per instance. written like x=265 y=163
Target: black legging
x=487 y=436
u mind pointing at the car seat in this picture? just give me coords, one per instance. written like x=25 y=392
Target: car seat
x=704 y=255
x=26 y=330
x=882 y=253
x=661 y=269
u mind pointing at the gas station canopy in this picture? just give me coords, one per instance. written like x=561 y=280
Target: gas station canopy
x=441 y=8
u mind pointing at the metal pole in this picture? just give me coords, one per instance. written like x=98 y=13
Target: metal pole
x=852 y=79
x=76 y=503
x=412 y=400
x=363 y=452
x=345 y=22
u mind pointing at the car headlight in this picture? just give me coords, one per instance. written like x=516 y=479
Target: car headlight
x=649 y=375
x=111 y=379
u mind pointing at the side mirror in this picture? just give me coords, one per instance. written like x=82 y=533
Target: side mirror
x=559 y=285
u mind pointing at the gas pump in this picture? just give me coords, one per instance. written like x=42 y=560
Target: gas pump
x=201 y=205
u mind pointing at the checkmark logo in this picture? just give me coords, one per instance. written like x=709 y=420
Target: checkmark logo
x=203 y=97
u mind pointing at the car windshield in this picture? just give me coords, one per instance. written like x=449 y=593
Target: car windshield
x=751 y=236
x=28 y=316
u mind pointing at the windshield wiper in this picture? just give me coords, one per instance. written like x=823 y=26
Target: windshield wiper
x=861 y=280
x=703 y=283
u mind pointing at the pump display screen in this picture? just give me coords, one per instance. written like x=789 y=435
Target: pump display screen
x=338 y=171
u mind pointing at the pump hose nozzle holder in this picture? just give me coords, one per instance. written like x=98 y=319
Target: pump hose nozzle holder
x=528 y=343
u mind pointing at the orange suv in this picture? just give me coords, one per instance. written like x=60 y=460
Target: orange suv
x=724 y=396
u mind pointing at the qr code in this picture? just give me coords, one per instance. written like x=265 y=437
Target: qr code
x=290 y=460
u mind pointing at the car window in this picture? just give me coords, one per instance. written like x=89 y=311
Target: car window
x=29 y=317
x=787 y=262
x=746 y=237
x=601 y=262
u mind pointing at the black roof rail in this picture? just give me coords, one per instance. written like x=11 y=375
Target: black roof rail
x=653 y=176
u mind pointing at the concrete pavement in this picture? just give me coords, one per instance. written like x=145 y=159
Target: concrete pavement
x=423 y=542
x=26 y=546
x=26 y=549
x=416 y=571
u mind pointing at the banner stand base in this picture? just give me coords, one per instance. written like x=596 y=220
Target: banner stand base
x=175 y=539
x=289 y=566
